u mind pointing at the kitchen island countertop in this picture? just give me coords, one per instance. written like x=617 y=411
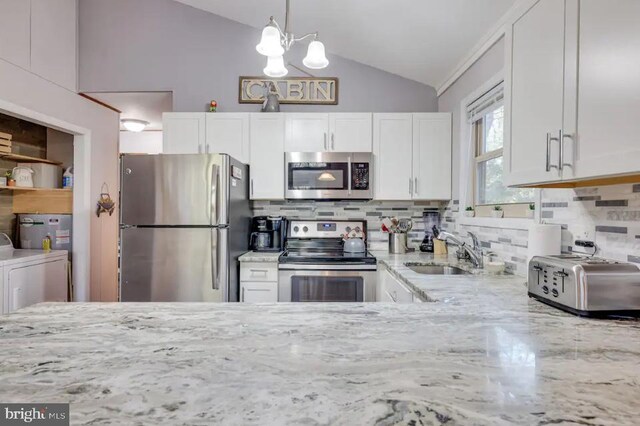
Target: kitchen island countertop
x=260 y=257
x=481 y=353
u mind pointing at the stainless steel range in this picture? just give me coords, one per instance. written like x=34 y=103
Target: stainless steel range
x=314 y=267
x=586 y=286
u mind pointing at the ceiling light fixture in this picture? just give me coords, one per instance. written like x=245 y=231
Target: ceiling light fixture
x=275 y=42
x=133 y=125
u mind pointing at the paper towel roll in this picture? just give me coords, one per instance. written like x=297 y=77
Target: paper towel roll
x=544 y=240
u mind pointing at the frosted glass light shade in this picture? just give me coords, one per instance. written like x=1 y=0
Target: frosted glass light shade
x=316 y=58
x=134 y=125
x=275 y=67
x=270 y=42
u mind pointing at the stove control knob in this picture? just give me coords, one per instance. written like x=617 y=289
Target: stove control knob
x=296 y=229
x=305 y=229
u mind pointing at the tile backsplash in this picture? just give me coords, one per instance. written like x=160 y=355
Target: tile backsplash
x=371 y=211
x=608 y=215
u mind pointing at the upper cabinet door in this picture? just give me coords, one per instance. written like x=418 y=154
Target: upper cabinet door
x=54 y=41
x=307 y=132
x=16 y=26
x=183 y=132
x=534 y=94
x=350 y=132
x=392 y=146
x=608 y=139
x=267 y=156
x=228 y=133
x=432 y=156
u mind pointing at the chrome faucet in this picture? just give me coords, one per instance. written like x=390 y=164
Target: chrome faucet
x=474 y=254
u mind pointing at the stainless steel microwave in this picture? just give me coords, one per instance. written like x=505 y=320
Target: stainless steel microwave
x=329 y=175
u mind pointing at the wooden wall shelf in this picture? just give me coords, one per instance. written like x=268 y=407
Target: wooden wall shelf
x=42 y=201
x=21 y=188
x=27 y=159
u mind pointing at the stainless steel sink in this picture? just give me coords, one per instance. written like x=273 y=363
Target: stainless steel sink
x=436 y=269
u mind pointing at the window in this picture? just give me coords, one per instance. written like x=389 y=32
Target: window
x=486 y=116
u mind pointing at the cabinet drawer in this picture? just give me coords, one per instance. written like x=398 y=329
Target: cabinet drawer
x=260 y=292
x=395 y=290
x=256 y=271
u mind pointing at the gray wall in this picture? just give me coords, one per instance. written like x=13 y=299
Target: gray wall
x=491 y=63
x=165 y=45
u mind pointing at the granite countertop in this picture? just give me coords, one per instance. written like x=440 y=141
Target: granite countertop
x=260 y=256
x=482 y=353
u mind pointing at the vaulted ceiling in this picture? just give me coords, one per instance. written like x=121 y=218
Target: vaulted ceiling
x=422 y=40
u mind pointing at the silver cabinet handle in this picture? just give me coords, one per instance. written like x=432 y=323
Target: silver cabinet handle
x=199 y=149
x=326 y=148
x=259 y=271
x=333 y=141
x=560 y=150
x=415 y=186
x=252 y=187
x=562 y=138
x=410 y=186
x=550 y=166
x=242 y=298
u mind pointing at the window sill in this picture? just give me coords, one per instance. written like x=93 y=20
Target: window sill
x=492 y=222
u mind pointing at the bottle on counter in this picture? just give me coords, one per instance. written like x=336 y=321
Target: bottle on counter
x=67 y=178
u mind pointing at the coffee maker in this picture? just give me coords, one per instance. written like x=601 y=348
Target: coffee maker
x=267 y=233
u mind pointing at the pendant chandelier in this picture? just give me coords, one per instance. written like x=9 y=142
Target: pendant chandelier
x=275 y=42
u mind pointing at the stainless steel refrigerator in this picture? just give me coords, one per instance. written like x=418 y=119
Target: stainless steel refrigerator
x=184 y=220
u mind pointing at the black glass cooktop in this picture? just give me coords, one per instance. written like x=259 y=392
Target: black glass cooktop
x=327 y=256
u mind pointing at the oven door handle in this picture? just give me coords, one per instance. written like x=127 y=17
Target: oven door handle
x=336 y=267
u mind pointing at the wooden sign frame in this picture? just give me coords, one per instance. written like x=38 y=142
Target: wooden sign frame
x=306 y=98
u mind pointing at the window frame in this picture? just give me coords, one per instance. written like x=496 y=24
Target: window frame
x=477 y=128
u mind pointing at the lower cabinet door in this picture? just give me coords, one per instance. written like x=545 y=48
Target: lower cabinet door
x=35 y=283
x=393 y=290
x=259 y=292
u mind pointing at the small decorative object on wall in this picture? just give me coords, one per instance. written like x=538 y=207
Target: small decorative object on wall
x=105 y=203
x=271 y=102
x=292 y=90
x=213 y=106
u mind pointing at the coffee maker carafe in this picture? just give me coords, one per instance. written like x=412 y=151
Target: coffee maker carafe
x=267 y=233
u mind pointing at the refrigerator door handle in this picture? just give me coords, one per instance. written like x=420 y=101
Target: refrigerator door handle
x=215 y=182
x=215 y=278
x=222 y=263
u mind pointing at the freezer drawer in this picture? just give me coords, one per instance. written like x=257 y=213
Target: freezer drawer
x=174 y=265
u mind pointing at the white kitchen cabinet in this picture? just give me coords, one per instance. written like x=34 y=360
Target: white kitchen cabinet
x=317 y=132
x=266 y=145
x=391 y=290
x=183 y=132
x=432 y=156
x=54 y=41
x=228 y=133
x=259 y=282
x=393 y=150
x=16 y=27
x=350 y=132
x=571 y=92
x=258 y=292
x=307 y=132
x=608 y=139
x=536 y=94
x=412 y=156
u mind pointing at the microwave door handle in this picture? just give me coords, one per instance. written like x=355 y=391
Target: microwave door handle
x=349 y=174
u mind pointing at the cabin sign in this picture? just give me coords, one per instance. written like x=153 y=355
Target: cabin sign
x=292 y=90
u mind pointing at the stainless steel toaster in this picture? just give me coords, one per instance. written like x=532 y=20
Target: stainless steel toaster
x=586 y=286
